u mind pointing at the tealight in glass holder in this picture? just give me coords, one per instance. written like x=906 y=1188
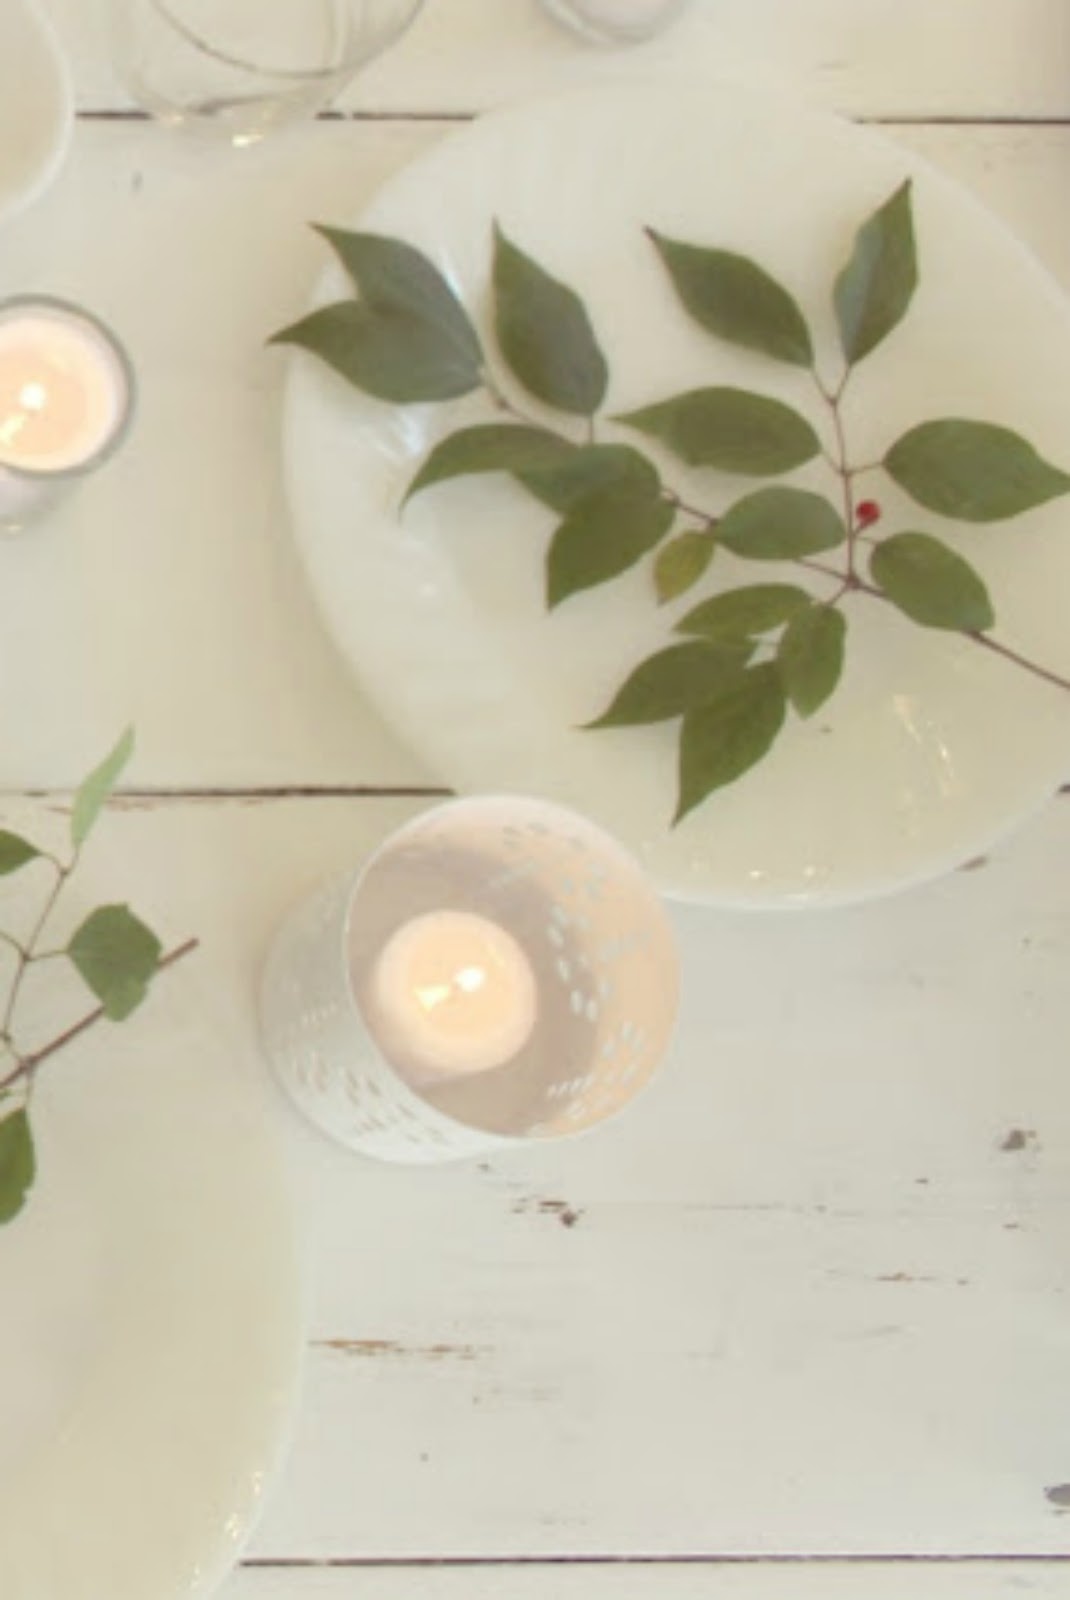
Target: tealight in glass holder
x=500 y=972
x=66 y=403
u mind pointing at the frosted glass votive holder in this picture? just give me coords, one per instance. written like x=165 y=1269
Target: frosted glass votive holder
x=500 y=972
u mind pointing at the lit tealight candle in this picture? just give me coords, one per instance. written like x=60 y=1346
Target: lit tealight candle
x=65 y=400
x=451 y=993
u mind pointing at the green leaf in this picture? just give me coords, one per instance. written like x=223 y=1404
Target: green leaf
x=876 y=286
x=90 y=797
x=781 y=524
x=810 y=657
x=590 y=467
x=545 y=333
x=931 y=584
x=390 y=274
x=974 y=471
x=679 y=564
x=731 y=429
x=15 y=852
x=492 y=447
x=116 y=955
x=407 y=338
x=18 y=1164
x=389 y=355
x=745 y=613
x=674 y=681
x=724 y=738
x=605 y=533
x=736 y=299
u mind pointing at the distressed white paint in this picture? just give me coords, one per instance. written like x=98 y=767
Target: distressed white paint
x=802 y=1302
x=760 y=1581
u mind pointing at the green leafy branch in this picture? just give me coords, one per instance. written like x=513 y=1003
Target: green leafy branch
x=749 y=653
x=112 y=950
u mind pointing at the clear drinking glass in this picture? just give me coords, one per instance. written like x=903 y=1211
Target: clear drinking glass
x=245 y=67
x=616 y=21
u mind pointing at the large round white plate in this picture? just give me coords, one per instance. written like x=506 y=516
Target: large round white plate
x=931 y=747
x=151 y=1328
x=36 y=104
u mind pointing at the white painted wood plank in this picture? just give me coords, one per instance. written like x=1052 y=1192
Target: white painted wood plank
x=168 y=591
x=765 y=1581
x=811 y=1297
x=879 y=57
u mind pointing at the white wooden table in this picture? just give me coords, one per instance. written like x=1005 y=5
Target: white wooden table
x=801 y=1327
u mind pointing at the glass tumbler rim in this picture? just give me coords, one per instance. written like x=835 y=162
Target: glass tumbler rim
x=408 y=10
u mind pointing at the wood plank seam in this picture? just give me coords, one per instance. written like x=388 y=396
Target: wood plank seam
x=855 y=1562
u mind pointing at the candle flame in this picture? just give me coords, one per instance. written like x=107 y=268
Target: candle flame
x=33 y=396
x=33 y=399
x=467 y=979
x=452 y=993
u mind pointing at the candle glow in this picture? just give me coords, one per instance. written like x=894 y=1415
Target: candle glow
x=63 y=390
x=66 y=394
x=453 y=993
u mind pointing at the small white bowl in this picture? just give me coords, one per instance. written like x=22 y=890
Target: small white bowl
x=36 y=105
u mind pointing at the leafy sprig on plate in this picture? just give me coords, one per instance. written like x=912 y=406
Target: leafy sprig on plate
x=749 y=654
x=112 y=950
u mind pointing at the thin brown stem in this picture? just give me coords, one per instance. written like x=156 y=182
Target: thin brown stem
x=28 y=1065
x=1022 y=661
x=502 y=400
x=503 y=403
x=833 y=399
x=839 y=464
x=832 y=396
x=25 y=954
x=826 y=572
x=689 y=510
x=986 y=641
x=855 y=535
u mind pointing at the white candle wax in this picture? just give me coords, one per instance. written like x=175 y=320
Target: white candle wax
x=452 y=993
x=64 y=399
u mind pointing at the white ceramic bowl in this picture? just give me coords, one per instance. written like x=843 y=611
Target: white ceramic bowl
x=36 y=105
x=931 y=748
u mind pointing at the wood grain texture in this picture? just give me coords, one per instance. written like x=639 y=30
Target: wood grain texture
x=809 y=1299
x=894 y=1580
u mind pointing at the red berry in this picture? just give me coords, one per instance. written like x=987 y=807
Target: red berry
x=867 y=513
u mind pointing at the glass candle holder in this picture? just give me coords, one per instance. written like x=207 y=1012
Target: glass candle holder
x=66 y=403
x=616 y=21
x=242 y=68
x=500 y=972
